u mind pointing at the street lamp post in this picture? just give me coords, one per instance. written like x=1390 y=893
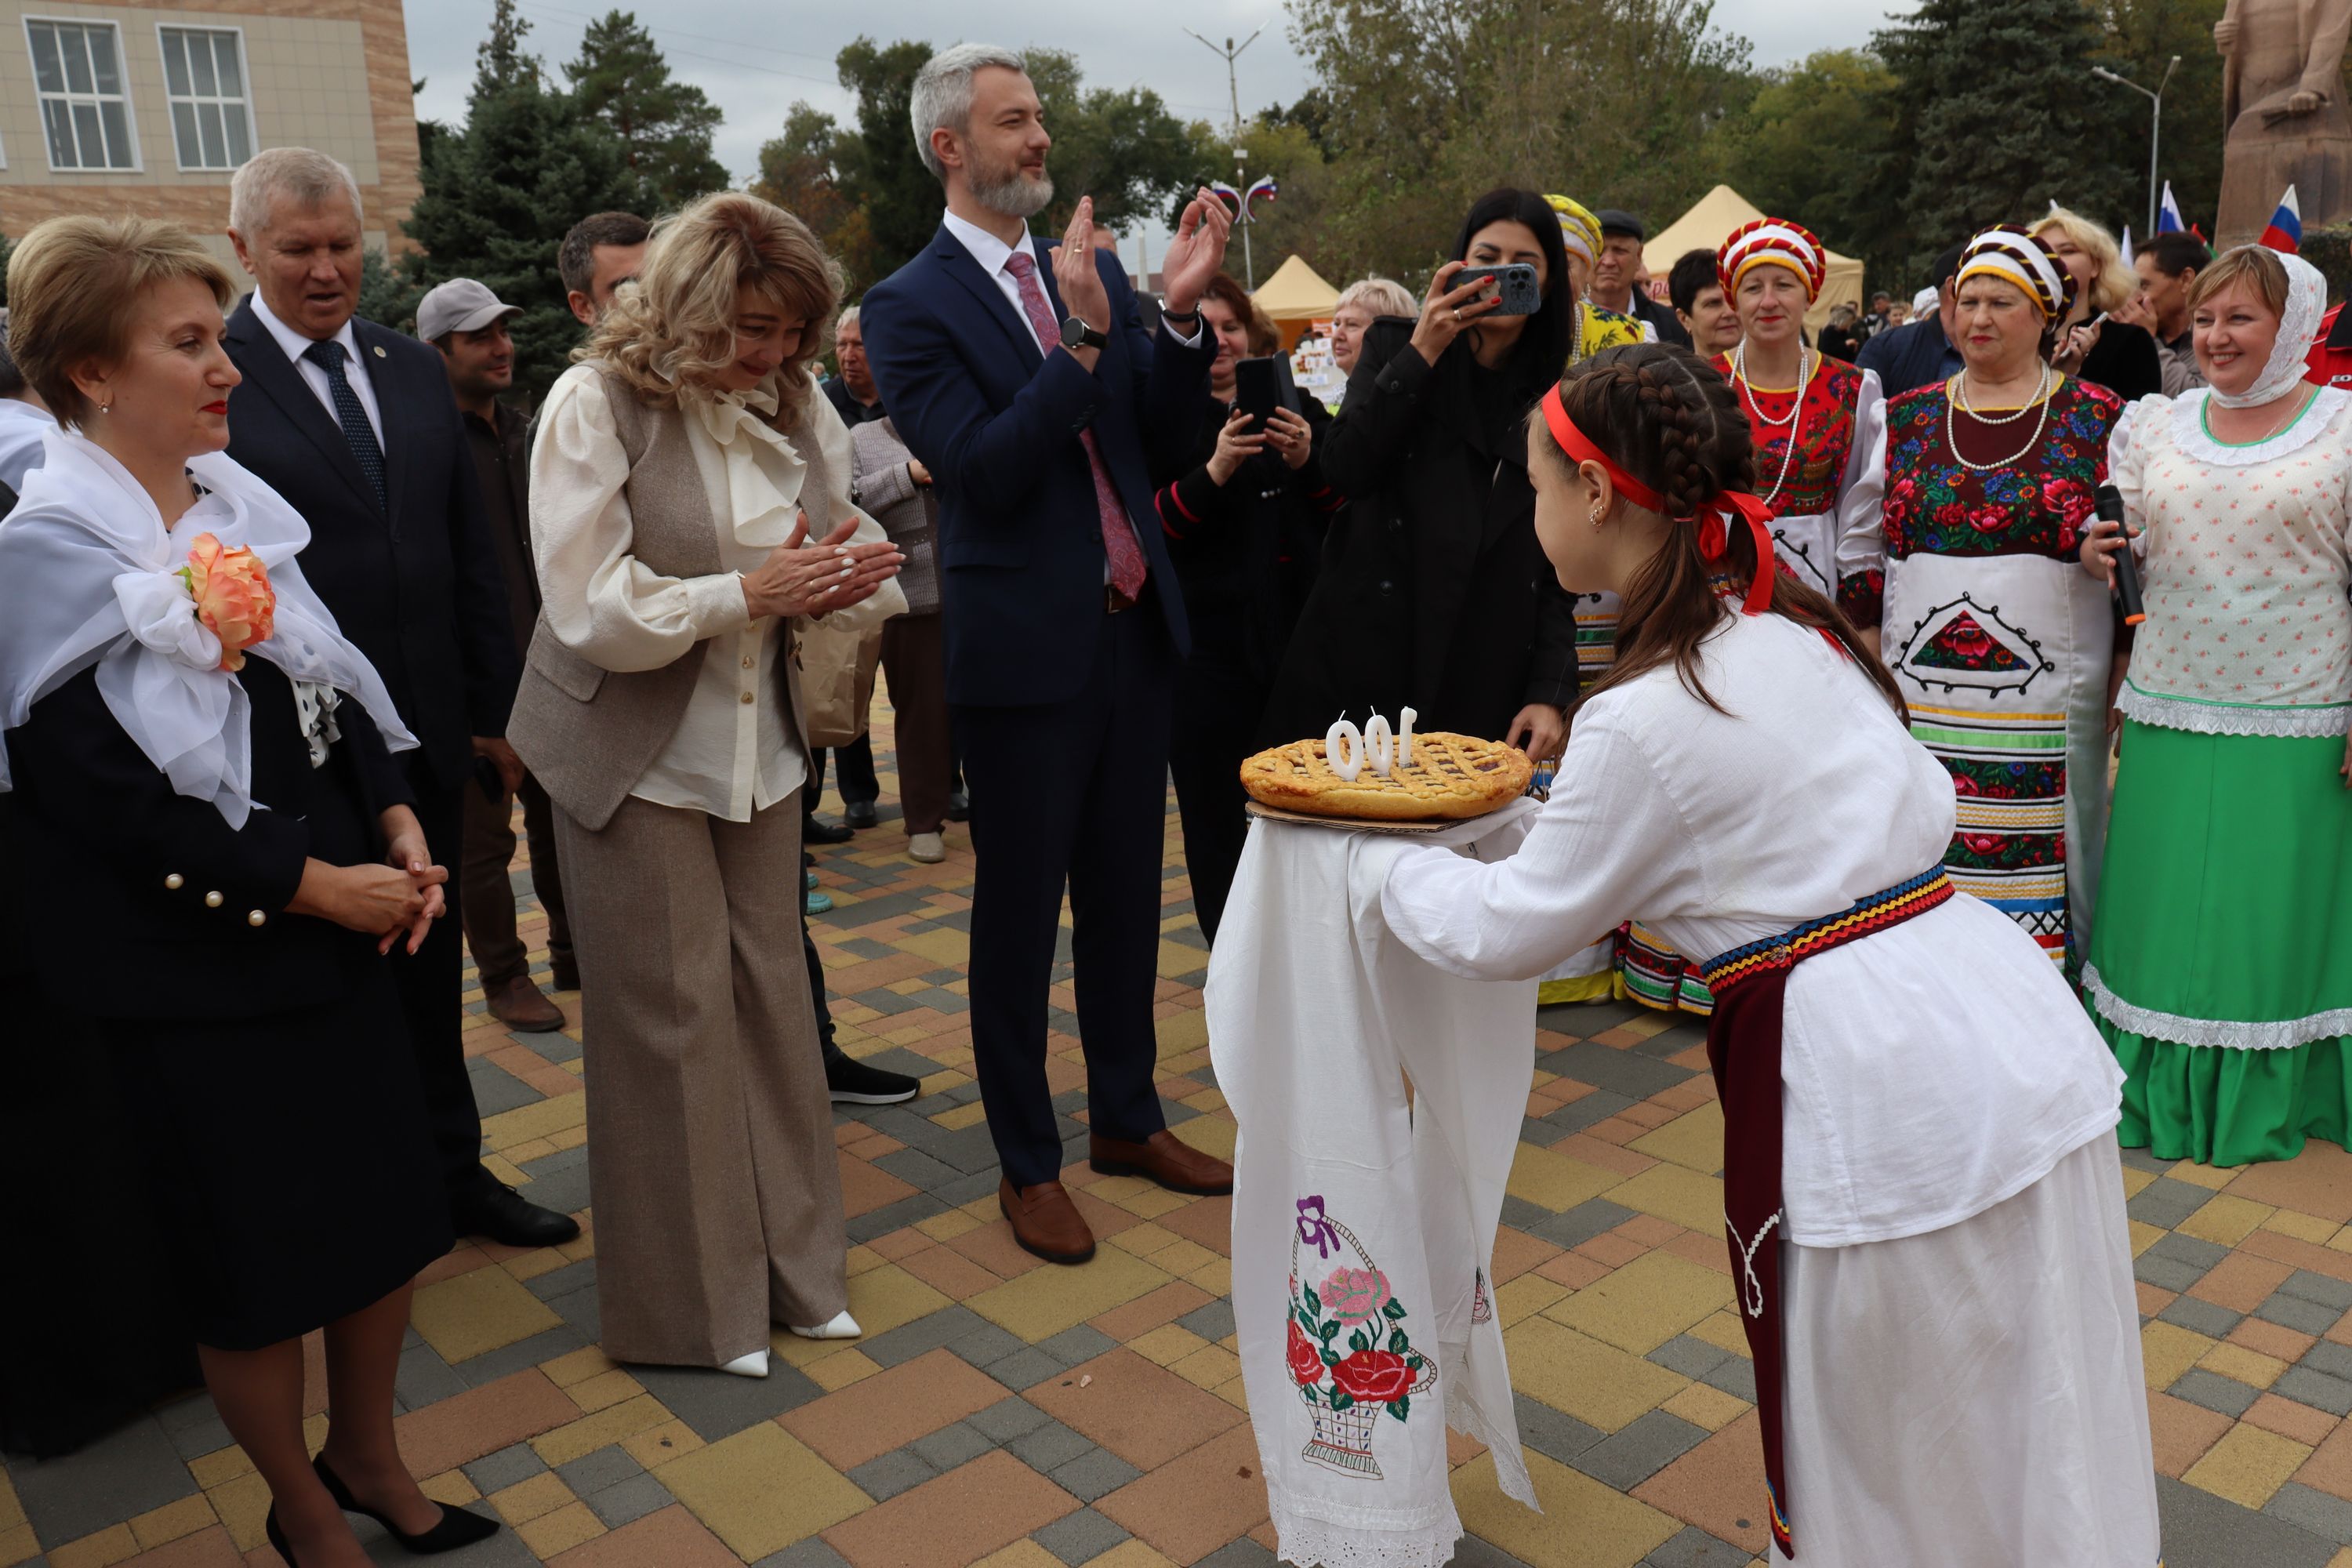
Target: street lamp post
x=2155 y=121
x=1241 y=183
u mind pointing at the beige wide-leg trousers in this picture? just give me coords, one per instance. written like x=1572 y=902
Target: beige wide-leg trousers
x=710 y=1153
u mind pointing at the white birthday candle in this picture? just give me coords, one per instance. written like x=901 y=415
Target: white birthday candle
x=1354 y=763
x=1380 y=743
x=1404 y=739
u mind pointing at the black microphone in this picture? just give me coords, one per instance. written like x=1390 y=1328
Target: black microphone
x=2111 y=510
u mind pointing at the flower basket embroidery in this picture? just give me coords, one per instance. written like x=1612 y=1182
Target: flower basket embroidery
x=1347 y=1347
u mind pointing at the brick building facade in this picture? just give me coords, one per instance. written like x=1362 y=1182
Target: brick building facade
x=149 y=105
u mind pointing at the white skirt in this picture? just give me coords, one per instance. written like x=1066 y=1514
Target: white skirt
x=1973 y=1396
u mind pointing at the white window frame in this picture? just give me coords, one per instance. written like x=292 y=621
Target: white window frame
x=245 y=77
x=138 y=164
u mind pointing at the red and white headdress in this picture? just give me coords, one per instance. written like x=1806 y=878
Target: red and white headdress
x=2009 y=252
x=1773 y=239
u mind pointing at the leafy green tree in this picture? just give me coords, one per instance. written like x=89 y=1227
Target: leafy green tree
x=1294 y=220
x=800 y=171
x=1994 y=117
x=2140 y=38
x=386 y=297
x=1426 y=103
x=1794 y=149
x=1121 y=146
x=500 y=194
x=620 y=79
x=875 y=160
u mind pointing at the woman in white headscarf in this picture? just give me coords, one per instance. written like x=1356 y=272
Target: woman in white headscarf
x=2221 y=973
x=220 y=849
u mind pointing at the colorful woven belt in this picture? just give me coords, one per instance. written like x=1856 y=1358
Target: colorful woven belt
x=1896 y=904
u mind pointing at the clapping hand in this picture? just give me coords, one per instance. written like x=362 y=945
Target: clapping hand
x=803 y=579
x=1074 y=272
x=1196 y=251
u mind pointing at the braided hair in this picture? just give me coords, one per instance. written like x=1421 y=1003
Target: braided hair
x=1666 y=417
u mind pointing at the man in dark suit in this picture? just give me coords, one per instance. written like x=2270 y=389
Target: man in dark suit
x=1919 y=352
x=354 y=424
x=1020 y=375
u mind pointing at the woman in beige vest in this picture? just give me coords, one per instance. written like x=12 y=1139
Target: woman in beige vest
x=689 y=501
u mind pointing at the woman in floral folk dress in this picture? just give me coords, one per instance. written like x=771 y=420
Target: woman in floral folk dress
x=2004 y=650
x=1821 y=465
x=2220 y=975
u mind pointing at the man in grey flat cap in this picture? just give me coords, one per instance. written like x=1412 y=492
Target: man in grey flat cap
x=468 y=323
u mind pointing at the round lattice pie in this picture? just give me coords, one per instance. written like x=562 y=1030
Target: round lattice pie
x=1450 y=776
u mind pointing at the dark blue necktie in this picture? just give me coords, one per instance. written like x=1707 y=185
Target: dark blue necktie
x=352 y=415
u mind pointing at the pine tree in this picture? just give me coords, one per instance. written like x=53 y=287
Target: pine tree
x=622 y=79
x=1994 y=119
x=501 y=191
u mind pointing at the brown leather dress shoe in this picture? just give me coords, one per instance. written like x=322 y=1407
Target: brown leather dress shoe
x=1046 y=1222
x=1164 y=1158
x=519 y=1005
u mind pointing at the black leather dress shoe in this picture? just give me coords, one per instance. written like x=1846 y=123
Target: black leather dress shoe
x=816 y=830
x=457 y=1527
x=859 y=814
x=958 y=807
x=498 y=1211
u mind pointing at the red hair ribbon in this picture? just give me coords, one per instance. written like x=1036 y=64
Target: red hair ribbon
x=1712 y=539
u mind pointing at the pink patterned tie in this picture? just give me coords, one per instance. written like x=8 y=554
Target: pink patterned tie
x=1128 y=567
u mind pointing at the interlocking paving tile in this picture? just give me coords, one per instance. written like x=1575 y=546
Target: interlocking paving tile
x=998 y=1407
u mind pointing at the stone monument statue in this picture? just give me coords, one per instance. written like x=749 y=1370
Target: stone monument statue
x=2283 y=105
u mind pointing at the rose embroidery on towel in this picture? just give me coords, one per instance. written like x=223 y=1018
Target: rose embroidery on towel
x=1353 y=1328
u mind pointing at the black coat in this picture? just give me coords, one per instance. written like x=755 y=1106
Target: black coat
x=418 y=592
x=1433 y=591
x=102 y=832
x=1246 y=550
x=2125 y=361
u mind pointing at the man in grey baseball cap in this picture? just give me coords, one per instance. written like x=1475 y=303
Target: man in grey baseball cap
x=469 y=324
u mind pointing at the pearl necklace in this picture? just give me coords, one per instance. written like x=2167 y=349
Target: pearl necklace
x=1960 y=396
x=1796 y=408
x=1955 y=405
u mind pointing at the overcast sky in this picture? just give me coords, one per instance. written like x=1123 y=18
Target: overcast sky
x=754 y=60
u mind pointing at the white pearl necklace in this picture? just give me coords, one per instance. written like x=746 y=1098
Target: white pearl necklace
x=1960 y=396
x=1796 y=408
x=1955 y=406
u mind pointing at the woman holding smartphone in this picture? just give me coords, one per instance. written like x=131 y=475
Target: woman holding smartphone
x=1435 y=593
x=1245 y=521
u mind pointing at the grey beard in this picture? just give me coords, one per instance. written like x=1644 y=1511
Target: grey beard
x=1014 y=196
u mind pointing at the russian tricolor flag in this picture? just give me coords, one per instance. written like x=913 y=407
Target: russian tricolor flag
x=1218 y=187
x=2285 y=232
x=1262 y=191
x=2168 y=216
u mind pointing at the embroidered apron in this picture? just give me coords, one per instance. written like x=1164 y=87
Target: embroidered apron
x=1749 y=985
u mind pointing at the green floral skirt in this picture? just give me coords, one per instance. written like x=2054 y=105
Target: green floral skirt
x=2220 y=967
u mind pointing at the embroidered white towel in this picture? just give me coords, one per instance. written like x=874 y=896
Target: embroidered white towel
x=1363 y=1231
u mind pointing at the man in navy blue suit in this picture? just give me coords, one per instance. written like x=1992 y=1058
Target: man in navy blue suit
x=1020 y=373
x=354 y=425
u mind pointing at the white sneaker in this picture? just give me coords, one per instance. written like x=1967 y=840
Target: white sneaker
x=930 y=849
x=842 y=1327
x=752 y=1365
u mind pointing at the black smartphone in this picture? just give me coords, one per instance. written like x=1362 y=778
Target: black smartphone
x=1263 y=385
x=1516 y=281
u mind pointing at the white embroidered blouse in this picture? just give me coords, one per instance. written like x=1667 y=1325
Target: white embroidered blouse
x=2246 y=555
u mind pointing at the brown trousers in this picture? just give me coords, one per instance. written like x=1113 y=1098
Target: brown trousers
x=710 y=1153
x=486 y=903
x=914 y=662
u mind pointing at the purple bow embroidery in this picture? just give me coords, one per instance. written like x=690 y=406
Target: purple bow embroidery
x=1316 y=1226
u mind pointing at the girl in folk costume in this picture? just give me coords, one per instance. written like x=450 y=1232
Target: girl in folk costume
x=1918 y=1323
x=2219 y=972
x=1820 y=430
x=2003 y=648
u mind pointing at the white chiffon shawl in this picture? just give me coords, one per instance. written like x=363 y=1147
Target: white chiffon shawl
x=89 y=576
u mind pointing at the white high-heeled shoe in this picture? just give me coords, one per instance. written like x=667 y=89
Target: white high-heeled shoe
x=752 y=1365
x=842 y=1327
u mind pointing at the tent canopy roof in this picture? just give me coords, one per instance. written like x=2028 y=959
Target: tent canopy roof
x=1711 y=220
x=1296 y=293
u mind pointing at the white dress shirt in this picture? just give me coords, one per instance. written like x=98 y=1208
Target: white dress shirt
x=355 y=369
x=735 y=751
x=22 y=425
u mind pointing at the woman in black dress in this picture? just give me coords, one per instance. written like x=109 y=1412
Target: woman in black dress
x=2093 y=345
x=1245 y=521
x=1433 y=591
x=218 y=849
